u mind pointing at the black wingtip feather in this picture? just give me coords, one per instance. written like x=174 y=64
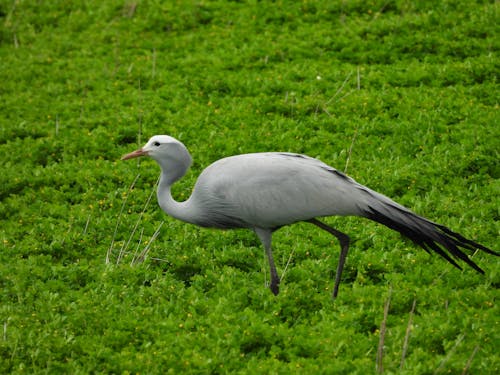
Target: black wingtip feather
x=428 y=235
x=473 y=245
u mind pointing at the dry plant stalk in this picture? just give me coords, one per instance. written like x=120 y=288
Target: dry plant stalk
x=469 y=361
x=137 y=257
x=383 y=328
x=350 y=150
x=449 y=354
x=124 y=248
x=110 y=250
x=144 y=253
x=407 y=334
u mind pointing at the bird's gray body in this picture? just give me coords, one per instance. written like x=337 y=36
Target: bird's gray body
x=265 y=191
x=270 y=190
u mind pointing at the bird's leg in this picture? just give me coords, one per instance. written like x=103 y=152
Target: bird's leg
x=265 y=238
x=275 y=280
x=344 y=247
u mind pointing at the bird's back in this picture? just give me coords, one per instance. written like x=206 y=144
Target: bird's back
x=270 y=190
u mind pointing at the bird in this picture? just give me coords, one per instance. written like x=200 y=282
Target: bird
x=266 y=191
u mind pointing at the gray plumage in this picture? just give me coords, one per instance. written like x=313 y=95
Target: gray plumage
x=266 y=191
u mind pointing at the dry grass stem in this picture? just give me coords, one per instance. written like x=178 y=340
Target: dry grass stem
x=383 y=328
x=153 y=68
x=86 y=225
x=129 y=9
x=358 y=80
x=334 y=97
x=449 y=354
x=407 y=334
x=139 y=242
x=339 y=90
x=144 y=253
x=287 y=264
x=350 y=150
x=125 y=246
x=118 y=220
x=469 y=361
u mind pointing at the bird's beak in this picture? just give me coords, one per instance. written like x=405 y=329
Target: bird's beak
x=135 y=154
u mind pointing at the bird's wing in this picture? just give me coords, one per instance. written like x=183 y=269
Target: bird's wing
x=275 y=189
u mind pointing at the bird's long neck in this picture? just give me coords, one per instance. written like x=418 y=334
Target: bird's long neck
x=178 y=210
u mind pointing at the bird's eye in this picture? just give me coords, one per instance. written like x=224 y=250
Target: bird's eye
x=156 y=143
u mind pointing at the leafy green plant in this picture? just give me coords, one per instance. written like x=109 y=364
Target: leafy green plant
x=401 y=94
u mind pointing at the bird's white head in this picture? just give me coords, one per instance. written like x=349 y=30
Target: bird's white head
x=167 y=151
x=158 y=147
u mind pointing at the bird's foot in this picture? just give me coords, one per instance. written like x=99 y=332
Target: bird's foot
x=275 y=288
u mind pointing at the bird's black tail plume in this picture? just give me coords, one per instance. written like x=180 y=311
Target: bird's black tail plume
x=425 y=233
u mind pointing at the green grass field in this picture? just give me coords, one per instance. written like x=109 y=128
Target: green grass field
x=403 y=94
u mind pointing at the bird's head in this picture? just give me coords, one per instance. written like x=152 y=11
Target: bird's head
x=166 y=150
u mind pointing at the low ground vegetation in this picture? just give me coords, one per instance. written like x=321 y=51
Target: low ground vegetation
x=401 y=94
